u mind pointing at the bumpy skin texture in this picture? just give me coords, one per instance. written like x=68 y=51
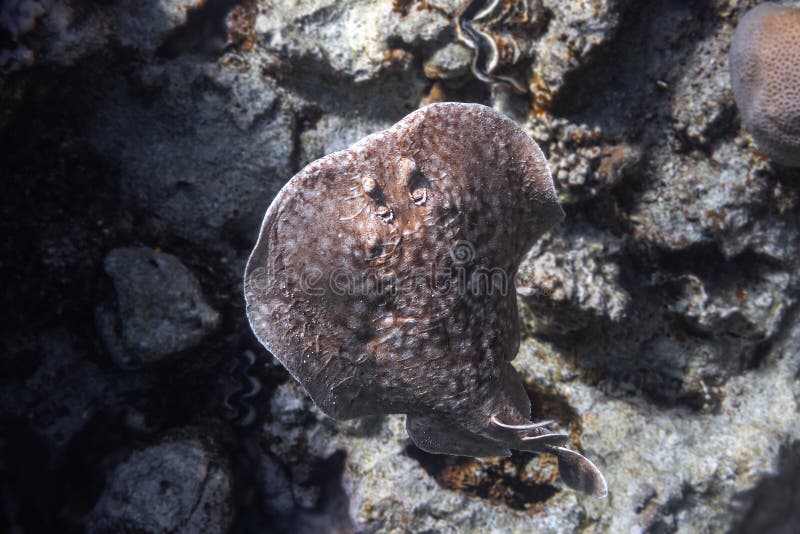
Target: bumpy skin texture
x=383 y=280
x=765 y=74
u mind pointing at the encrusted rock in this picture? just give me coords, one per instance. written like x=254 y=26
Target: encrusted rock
x=335 y=132
x=750 y=309
x=574 y=31
x=211 y=149
x=450 y=61
x=582 y=163
x=348 y=40
x=702 y=105
x=74 y=29
x=570 y=281
x=694 y=200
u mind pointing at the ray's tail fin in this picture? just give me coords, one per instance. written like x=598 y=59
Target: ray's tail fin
x=579 y=473
x=576 y=471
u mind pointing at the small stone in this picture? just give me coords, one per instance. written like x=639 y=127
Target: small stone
x=180 y=484
x=450 y=61
x=160 y=308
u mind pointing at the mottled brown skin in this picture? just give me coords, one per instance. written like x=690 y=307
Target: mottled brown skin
x=370 y=281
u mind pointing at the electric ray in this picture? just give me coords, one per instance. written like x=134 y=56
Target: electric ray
x=383 y=280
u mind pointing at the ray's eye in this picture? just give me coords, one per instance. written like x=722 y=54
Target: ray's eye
x=384 y=212
x=373 y=190
x=413 y=178
x=419 y=193
x=370 y=186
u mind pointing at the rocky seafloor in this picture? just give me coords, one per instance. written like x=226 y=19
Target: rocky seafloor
x=141 y=144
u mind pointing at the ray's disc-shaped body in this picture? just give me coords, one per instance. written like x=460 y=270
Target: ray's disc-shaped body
x=382 y=279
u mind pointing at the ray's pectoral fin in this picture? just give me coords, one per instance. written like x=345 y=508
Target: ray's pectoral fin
x=440 y=436
x=579 y=473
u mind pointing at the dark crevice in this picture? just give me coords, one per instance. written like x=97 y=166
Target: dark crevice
x=549 y=406
x=773 y=505
x=498 y=480
x=264 y=487
x=204 y=33
x=303 y=122
x=505 y=480
x=706 y=260
x=667 y=519
x=721 y=130
x=762 y=351
x=654 y=278
x=617 y=89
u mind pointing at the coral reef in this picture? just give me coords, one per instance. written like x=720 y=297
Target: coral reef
x=765 y=74
x=658 y=321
